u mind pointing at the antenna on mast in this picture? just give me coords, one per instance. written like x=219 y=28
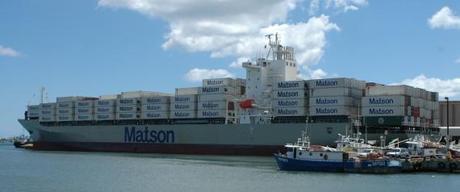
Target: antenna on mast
x=43 y=95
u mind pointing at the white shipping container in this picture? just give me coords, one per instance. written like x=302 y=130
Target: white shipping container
x=385 y=100
x=84 y=110
x=84 y=117
x=155 y=115
x=66 y=104
x=71 y=98
x=296 y=111
x=34 y=108
x=105 y=103
x=219 y=82
x=338 y=110
x=336 y=92
x=183 y=114
x=84 y=104
x=110 y=109
x=184 y=99
x=183 y=106
x=128 y=101
x=104 y=116
x=47 y=112
x=33 y=114
x=127 y=116
x=212 y=113
x=123 y=109
x=214 y=97
x=391 y=90
x=290 y=94
x=212 y=105
x=47 y=118
x=187 y=91
x=155 y=107
x=336 y=83
x=219 y=90
x=155 y=100
x=61 y=111
x=65 y=118
x=336 y=100
x=48 y=106
x=139 y=94
x=384 y=111
x=289 y=103
x=286 y=85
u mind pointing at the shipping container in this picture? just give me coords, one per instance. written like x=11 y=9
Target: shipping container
x=33 y=114
x=336 y=83
x=337 y=110
x=65 y=118
x=61 y=111
x=386 y=100
x=290 y=103
x=73 y=99
x=291 y=111
x=183 y=106
x=215 y=97
x=387 y=121
x=35 y=108
x=187 y=91
x=334 y=100
x=290 y=94
x=47 y=118
x=185 y=114
x=123 y=109
x=127 y=116
x=219 y=90
x=212 y=105
x=84 y=110
x=392 y=90
x=384 y=111
x=66 y=104
x=110 y=109
x=155 y=115
x=48 y=106
x=139 y=94
x=47 y=112
x=128 y=101
x=290 y=85
x=212 y=113
x=358 y=93
x=229 y=82
x=84 y=104
x=84 y=117
x=155 y=100
x=104 y=116
x=155 y=107
x=184 y=99
x=105 y=103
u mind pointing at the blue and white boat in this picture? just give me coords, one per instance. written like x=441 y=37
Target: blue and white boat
x=302 y=156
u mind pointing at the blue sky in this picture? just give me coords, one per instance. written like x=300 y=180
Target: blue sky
x=92 y=48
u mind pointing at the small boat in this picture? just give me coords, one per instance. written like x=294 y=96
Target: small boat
x=302 y=156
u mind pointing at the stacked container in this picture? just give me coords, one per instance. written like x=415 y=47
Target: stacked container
x=47 y=112
x=84 y=110
x=183 y=106
x=65 y=109
x=290 y=98
x=105 y=109
x=335 y=97
x=399 y=105
x=216 y=97
x=33 y=111
x=128 y=108
x=155 y=107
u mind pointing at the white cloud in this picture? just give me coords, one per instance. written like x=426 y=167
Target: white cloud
x=340 y=5
x=445 y=87
x=238 y=62
x=8 y=52
x=197 y=74
x=444 y=18
x=313 y=74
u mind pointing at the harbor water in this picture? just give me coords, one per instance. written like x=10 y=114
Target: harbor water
x=25 y=170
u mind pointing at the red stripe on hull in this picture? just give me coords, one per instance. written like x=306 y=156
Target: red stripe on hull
x=252 y=150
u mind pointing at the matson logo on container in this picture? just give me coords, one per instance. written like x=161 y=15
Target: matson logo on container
x=326 y=101
x=291 y=85
x=290 y=94
x=145 y=135
x=384 y=111
x=326 y=83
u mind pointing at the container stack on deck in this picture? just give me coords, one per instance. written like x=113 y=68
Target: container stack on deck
x=84 y=110
x=155 y=107
x=290 y=100
x=336 y=98
x=400 y=105
x=105 y=108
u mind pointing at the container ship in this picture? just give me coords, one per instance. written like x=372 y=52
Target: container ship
x=252 y=116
